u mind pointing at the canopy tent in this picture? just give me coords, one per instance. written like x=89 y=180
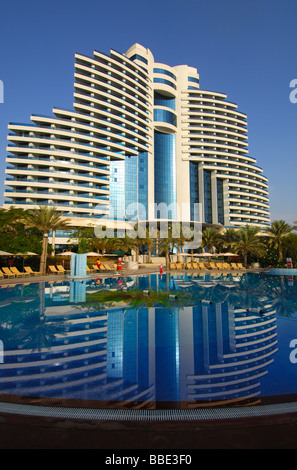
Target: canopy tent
x=118 y=253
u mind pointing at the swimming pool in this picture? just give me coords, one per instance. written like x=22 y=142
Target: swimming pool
x=183 y=342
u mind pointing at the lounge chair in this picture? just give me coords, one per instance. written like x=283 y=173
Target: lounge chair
x=1 y=275
x=95 y=267
x=241 y=267
x=179 y=265
x=172 y=266
x=196 y=266
x=15 y=271
x=31 y=272
x=202 y=265
x=227 y=266
x=54 y=270
x=61 y=268
x=107 y=267
x=189 y=265
x=234 y=266
x=8 y=273
x=213 y=265
x=89 y=270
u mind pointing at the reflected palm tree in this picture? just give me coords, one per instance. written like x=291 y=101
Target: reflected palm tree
x=252 y=292
x=284 y=298
x=31 y=330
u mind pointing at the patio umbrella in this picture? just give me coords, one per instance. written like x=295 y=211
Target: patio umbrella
x=66 y=253
x=227 y=254
x=5 y=253
x=205 y=255
x=92 y=253
x=26 y=253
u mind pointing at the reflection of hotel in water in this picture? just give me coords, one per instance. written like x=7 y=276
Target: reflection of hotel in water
x=206 y=353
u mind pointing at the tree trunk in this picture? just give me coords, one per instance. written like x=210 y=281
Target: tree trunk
x=43 y=257
x=167 y=259
x=245 y=260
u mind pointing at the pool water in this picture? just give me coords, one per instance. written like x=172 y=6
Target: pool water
x=151 y=342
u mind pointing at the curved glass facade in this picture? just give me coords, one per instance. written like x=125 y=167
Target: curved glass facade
x=162 y=100
x=165 y=72
x=163 y=115
x=166 y=82
x=165 y=170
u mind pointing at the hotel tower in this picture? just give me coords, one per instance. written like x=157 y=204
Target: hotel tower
x=140 y=133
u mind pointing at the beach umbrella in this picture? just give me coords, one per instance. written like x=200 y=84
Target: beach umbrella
x=227 y=254
x=205 y=255
x=66 y=253
x=5 y=253
x=26 y=253
x=92 y=253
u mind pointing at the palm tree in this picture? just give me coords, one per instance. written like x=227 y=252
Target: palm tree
x=210 y=238
x=278 y=230
x=229 y=238
x=167 y=244
x=45 y=219
x=249 y=243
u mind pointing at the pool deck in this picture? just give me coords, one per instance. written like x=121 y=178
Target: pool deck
x=25 y=432
x=107 y=274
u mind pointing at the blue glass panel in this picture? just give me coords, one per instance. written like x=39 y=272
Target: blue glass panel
x=136 y=184
x=163 y=115
x=194 y=187
x=143 y=183
x=165 y=72
x=207 y=197
x=139 y=57
x=162 y=100
x=165 y=170
x=166 y=82
x=192 y=79
x=220 y=193
x=117 y=191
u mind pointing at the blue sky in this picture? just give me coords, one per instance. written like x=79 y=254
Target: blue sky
x=246 y=49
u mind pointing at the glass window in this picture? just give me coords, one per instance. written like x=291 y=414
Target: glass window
x=162 y=100
x=139 y=57
x=165 y=72
x=164 y=116
x=194 y=187
x=166 y=82
x=220 y=192
x=207 y=197
x=165 y=171
x=193 y=79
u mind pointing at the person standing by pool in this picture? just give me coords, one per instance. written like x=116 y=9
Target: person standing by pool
x=119 y=266
x=98 y=264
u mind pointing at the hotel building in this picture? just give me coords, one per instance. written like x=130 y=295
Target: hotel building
x=139 y=132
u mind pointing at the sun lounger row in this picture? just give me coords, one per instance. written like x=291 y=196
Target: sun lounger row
x=206 y=266
x=13 y=272
x=103 y=267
